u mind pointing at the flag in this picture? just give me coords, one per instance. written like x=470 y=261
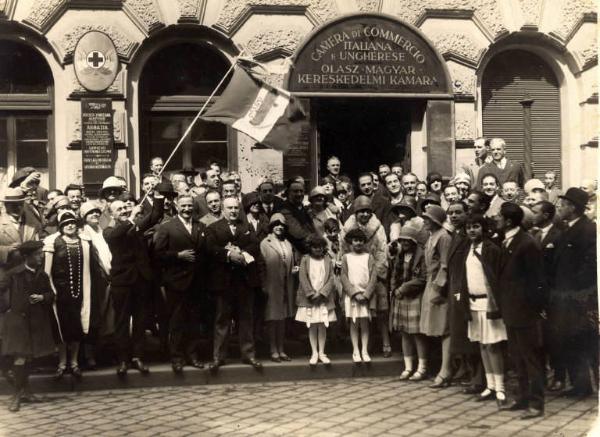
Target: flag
x=269 y=115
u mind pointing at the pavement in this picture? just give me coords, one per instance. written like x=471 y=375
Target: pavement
x=333 y=407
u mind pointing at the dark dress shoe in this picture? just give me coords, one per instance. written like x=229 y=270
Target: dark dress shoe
x=195 y=362
x=76 y=372
x=442 y=383
x=15 y=403
x=253 y=362
x=122 y=369
x=488 y=397
x=60 y=372
x=514 y=406
x=276 y=358
x=531 y=413
x=472 y=390
x=177 y=367
x=214 y=366
x=138 y=364
x=284 y=357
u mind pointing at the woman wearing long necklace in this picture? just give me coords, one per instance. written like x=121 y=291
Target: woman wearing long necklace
x=67 y=263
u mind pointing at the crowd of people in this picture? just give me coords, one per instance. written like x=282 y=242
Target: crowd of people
x=483 y=263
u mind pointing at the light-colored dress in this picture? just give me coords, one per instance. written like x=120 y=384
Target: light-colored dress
x=481 y=329
x=358 y=276
x=316 y=313
x=434 y=318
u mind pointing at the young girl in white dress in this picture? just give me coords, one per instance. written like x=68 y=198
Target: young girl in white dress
x=358 y=282
x=315 y=297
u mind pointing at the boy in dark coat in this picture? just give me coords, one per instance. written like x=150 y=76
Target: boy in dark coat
x=27 y=328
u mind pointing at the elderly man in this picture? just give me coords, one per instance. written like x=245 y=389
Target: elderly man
x=573 y=307
x=131 y=278
x=502 y=167
x=409 y=184
x=482 y=156
x=178 y=245
x=234 y=278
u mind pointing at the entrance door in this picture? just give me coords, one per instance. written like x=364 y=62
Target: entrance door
x=364 y=133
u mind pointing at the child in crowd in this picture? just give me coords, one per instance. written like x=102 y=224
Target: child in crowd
x=358 y=282
x=315 y=297
x=408 y=281
x=479 y=297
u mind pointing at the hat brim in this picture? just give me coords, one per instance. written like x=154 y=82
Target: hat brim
x=13 y=199
x=103 y=190
x=573 y=201
x=403 y=237
x=433 y=219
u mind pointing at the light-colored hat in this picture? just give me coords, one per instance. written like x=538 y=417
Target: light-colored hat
x=13 y=195
x=435 y=213
x=317 y=191
x=461 y=177
x=362 y=202
x=278 y=217
x=87 y=207
x=59 y=201
x=409 y=232
x=111 y=182
x=533 y=184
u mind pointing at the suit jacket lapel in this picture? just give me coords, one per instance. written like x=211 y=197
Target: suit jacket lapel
x=179 y=224
x=9 y=229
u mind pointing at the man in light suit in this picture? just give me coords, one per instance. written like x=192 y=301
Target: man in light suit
x=131 y=277
x=573 y=308
x=234 y=277
x=178 y=245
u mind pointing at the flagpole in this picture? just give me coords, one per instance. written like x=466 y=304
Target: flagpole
x=188 y=130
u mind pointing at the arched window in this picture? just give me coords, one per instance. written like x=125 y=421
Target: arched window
x=25 y=111
x=175 y=82
x=506 y=79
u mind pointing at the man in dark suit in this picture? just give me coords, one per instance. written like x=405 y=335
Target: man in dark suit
x=131 y=277
x=521 y=302
x=234 y=277
x=269 y=202
x=547 y=234
x=504 y=169
x=379 y=203
x=573 y=308
x=299 y=221
x=178 y=246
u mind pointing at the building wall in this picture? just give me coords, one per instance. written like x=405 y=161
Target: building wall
x=466 y=32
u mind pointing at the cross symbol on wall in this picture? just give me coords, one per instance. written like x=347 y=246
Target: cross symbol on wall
x=96 y=59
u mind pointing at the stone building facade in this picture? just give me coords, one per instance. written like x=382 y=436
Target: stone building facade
x=171 y=52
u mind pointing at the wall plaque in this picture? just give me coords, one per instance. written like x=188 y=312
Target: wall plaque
x=95 y=60
x=296 y=160
x=370 y=53
x=97 y=149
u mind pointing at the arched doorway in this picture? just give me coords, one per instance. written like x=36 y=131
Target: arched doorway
x=25 y=111
x=507 y=78
x=174 y=84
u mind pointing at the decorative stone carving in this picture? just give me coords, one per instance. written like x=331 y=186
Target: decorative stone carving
x=144 y=13
x=284 y=39
x=191 y=10
x=464 y=127
x=571 y=14
x=532 y=11
x=257 y=164
x=464 y=79
x=44 y=13
x=125 y=45
x=369 y=5
x=487 y=11
x=117 y=88
x=235 y=12
x=589 y=53
x=459 y=45
x=7 y=8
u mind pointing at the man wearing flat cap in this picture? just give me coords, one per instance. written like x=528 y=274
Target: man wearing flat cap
x=573 y=303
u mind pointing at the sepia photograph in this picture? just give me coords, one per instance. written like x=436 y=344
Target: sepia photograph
x=312 y=218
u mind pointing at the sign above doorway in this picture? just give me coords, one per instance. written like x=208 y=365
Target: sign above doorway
x=366 y=54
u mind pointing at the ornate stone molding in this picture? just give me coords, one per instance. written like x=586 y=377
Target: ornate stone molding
x=7 y=9
x=486 y=13
x=532 y=12
x=116 y=90
x=572 y=15
x=44 y=13
x=369 y=5
x=145 y=14
x=278 y=42
x=66 y=45
x=458 y=46
x=588 y=55
x=464 y=79
x=191 y=11
x=236 y=12
x=464 y=128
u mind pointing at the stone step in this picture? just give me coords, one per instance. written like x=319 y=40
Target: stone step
x=161 y=375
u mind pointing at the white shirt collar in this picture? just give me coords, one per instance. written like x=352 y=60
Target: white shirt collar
x=511 y=233
x=572 y=222
x=546 y=229
x=502 y=163
x=29 y=268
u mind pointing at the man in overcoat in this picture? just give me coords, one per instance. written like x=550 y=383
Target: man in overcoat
x=521 y=303
x=234 y=277
x=179 y=248
x=573 y=307
x=131 y=278
x=297 y=217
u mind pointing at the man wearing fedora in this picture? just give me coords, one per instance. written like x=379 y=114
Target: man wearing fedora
x=111 y=189
x=573 y=303
x=15 y=229
x=28 y=179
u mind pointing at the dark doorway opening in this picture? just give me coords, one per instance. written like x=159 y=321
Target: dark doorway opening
x=364 y=132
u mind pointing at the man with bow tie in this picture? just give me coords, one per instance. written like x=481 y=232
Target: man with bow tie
x=234 y=251
x=179 y=246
